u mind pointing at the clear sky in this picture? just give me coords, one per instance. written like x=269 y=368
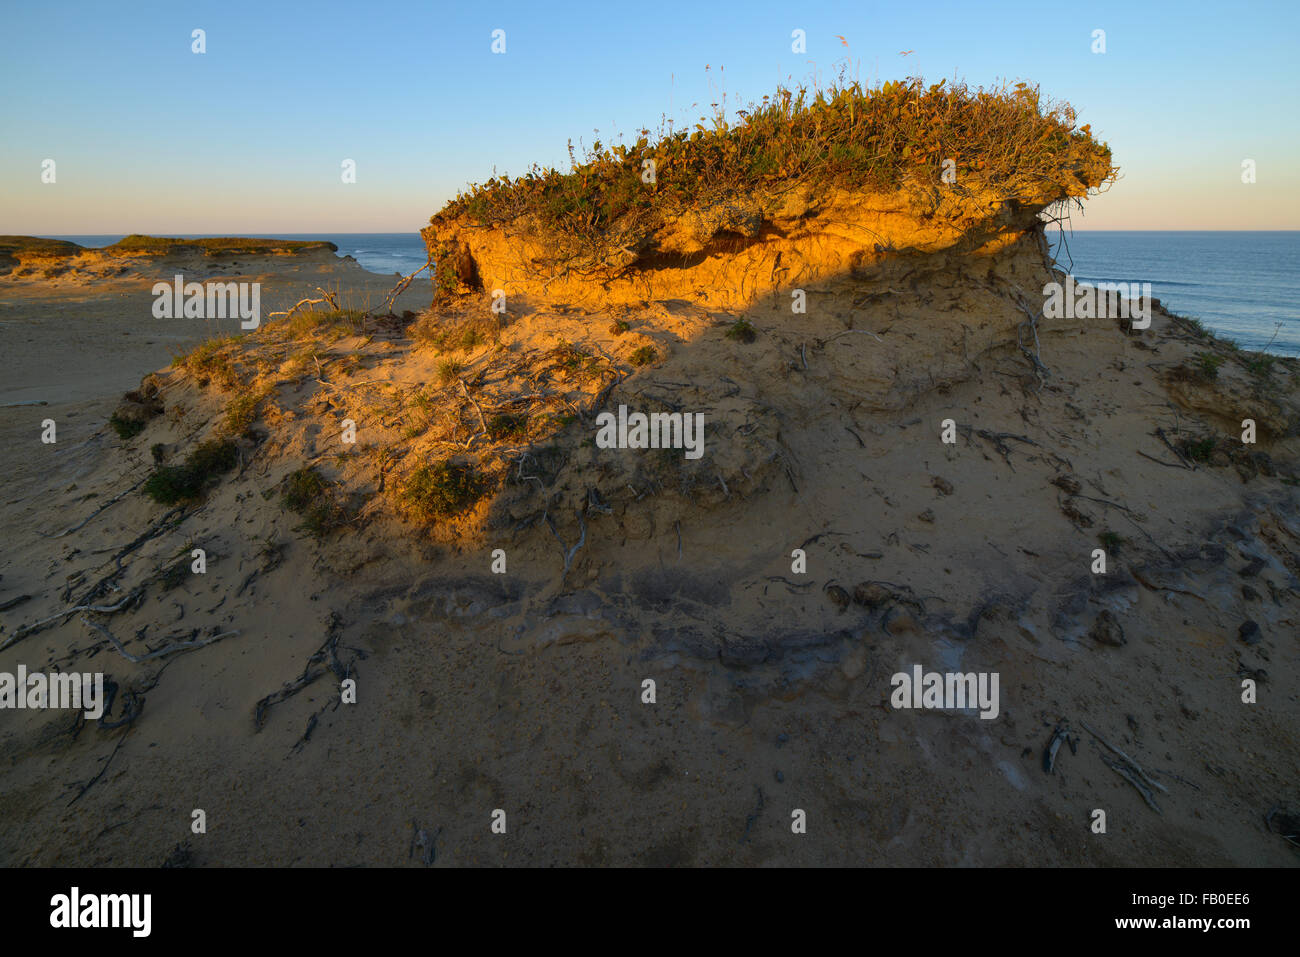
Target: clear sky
x=249 y=137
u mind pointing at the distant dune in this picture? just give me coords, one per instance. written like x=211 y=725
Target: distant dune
x=30 y=258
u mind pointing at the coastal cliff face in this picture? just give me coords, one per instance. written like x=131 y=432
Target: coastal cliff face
x=732 y=253
x=888 y=456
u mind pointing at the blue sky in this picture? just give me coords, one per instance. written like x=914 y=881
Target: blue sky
x=250 y=136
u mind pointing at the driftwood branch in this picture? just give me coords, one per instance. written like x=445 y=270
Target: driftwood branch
x=169 y=649
x=401 y=286
x=26 y=630
x=327 y=297
x=1130 y=771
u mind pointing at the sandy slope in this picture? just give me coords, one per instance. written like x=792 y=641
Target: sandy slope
x=522 y=691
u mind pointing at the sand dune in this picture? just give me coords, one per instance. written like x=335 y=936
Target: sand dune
x=523 y=691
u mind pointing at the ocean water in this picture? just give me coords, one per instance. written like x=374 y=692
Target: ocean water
x=1243 y=285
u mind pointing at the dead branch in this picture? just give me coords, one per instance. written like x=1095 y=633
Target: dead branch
x=328 y=297
x=401 y=286
x=169 y=649
x=324 y=661
x=26 y=630
x=1130 y=770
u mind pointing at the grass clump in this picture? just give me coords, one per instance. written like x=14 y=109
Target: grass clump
x=338 y=322
x=442 y=489
x=1199 y=450
x=242 y=411
x=170 y=484
x=1207 y=365
x=449 y=369
x=573 y=361
x=742 y=330
x=445 y=335
x=302 y=488
x=1260 y=365
x=310 y=495
x=124 y=427
x=643 y=356
x=1007 y=140
x=507 y=427
x=211 y=362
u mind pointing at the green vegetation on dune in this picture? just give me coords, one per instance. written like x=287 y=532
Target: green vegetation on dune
x=1008 y=141
x=34 y=246
x=170 y=484
x=124 y=427
x=442 y=489
x=158 y=245
x=312 y=496
x=333 y=323
x=13 y=249
x=211 y=361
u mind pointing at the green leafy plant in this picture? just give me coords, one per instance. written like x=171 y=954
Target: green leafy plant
x=741 y=331
x=1199 y=450
x=310 y=495
x=1207 y=364
x=170 y=484
x=124 y=427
